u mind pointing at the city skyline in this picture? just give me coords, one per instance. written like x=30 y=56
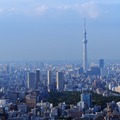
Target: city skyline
x=53 y=30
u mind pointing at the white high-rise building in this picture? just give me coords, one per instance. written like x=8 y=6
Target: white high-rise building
x=49 y=80
x=85 y=64
x=31 y=80
x=60 y=81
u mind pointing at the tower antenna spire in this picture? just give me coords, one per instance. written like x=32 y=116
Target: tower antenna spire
x=85 y=27
x=84 y=48
x=84 y=23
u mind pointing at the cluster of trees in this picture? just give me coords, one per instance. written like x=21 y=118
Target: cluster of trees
x=67 y=97
x=74 y=97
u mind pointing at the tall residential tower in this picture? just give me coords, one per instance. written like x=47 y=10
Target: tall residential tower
x=85 y=48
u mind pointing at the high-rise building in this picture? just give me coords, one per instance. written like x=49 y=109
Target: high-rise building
x=95 y=70
x=85 y=64
x=101 y=65
x=81 y=70
x=31 y=81
x=8 y=69
x=37 y=77
x=87 y=99
x=60 y=81
x=49 y=80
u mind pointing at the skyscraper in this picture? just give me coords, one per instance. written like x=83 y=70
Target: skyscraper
x=37 y=77
x=101 y=65
x=60 y=81
x=49 y=80
x=85 y=48
x=31 y=80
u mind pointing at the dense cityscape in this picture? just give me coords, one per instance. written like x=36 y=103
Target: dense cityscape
x=26 y=89
x=42 y=91
x=59 y=60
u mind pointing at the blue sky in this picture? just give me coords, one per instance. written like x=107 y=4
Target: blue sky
x=53 y=29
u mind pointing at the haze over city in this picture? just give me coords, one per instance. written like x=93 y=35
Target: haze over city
x=59 y=60
x=53 y=29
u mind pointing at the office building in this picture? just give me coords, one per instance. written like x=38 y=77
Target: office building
x=8 y=69
x=80 y=70
x=95 y=70
x=37 y=77
x=101 y=65
x=60 y=81
x=49 y=80
x=31 y=80
x=86 y=98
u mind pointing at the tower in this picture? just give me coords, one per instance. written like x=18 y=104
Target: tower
x=85 y=48
x=60 y=81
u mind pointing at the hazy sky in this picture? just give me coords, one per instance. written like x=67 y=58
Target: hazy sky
x=53 y=29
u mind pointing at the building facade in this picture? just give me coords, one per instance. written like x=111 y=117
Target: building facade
x=31 y=81
x=37 y=77
x=60 y=81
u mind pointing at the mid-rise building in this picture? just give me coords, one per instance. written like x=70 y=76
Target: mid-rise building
x=95 y=70
x=86 y=98
x=30 y=101
x=22 y=107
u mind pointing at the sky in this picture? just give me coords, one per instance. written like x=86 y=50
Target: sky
x=53 y=29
